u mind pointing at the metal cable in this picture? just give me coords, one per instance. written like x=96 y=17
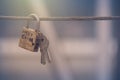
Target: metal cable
x=61 y=18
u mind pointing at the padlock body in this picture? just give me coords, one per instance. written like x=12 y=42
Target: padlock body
x=29 y=40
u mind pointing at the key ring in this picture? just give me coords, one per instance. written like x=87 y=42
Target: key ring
x=36 y=17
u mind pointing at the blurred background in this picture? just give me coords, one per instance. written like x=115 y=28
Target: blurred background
x=80 y=50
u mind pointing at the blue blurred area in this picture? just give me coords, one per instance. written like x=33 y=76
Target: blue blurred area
x=116 y=32
x=71 y=8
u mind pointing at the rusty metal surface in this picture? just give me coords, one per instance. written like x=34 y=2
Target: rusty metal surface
x=29 y=40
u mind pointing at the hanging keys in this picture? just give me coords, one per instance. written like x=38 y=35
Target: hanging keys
x=44 y=44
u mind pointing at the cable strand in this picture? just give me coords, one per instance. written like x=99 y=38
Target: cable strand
x=61 y=18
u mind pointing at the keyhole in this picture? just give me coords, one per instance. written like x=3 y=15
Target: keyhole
x=42 y=40
x=31 y=39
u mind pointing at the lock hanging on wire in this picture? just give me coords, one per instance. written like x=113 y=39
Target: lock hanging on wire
x=29 y=39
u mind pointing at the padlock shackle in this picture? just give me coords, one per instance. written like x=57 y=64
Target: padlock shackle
x=36 y=17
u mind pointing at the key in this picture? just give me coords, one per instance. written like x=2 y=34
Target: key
x=43 y=61
x=44 y=44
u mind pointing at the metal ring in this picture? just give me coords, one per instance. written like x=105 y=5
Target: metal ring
x=36 y=17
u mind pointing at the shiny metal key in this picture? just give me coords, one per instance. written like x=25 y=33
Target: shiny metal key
x=44 y=44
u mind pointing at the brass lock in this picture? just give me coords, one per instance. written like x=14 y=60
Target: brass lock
x=29 y=39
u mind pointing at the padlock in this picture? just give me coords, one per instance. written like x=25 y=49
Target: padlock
x=29 y=39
